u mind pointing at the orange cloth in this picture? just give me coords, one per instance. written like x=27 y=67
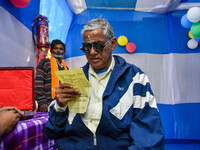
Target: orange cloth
x=54 y=78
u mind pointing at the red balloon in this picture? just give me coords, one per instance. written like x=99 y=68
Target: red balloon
x=20 y=3
x=130 y=47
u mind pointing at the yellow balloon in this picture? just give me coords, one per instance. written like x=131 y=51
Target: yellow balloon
x=190 y=35
x=122 y=40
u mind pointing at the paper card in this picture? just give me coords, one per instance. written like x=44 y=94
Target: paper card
x=77 y=78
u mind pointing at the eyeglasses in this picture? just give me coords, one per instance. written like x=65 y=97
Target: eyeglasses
x=98 y=46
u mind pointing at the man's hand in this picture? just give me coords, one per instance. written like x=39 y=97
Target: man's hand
x=64 y=93
x=14 y=109
x=9 y=116
x=44 y=108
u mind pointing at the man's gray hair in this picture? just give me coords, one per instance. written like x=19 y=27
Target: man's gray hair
x=99 y=23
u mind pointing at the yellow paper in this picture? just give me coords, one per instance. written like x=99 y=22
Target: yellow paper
x=77 y=78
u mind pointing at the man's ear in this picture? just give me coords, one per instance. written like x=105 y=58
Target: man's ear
x=113 y=43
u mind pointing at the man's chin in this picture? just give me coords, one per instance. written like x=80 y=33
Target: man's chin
x=96 y=66
x=57 y=58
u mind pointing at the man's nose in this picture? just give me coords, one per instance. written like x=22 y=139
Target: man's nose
x=92 y=50
x=60 y=50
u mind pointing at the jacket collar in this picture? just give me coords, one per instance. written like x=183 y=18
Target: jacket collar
x=120 y=67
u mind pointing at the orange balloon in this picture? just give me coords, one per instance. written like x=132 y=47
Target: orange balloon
x=130 y=47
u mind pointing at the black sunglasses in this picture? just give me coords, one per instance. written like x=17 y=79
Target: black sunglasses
x=98 y=46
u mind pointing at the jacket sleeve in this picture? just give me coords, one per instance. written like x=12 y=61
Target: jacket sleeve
x=55 y=125
x=146 y=129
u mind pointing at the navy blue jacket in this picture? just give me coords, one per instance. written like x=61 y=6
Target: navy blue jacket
x=130 y=118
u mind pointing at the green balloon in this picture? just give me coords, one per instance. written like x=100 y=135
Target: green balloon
x=195 y=29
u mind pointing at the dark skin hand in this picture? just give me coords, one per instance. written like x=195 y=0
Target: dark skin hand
x=9 y=117
x=11 y=108
x=64 y=93
x=44 y=108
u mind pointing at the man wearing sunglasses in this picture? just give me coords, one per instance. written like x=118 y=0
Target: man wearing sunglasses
x=122 y=113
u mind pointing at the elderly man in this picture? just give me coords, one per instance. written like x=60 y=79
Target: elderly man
x=122 y=112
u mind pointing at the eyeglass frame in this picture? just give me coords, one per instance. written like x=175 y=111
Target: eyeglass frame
x=92 y=45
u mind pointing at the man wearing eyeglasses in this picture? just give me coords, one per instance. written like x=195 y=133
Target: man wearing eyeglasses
x=122 y=113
